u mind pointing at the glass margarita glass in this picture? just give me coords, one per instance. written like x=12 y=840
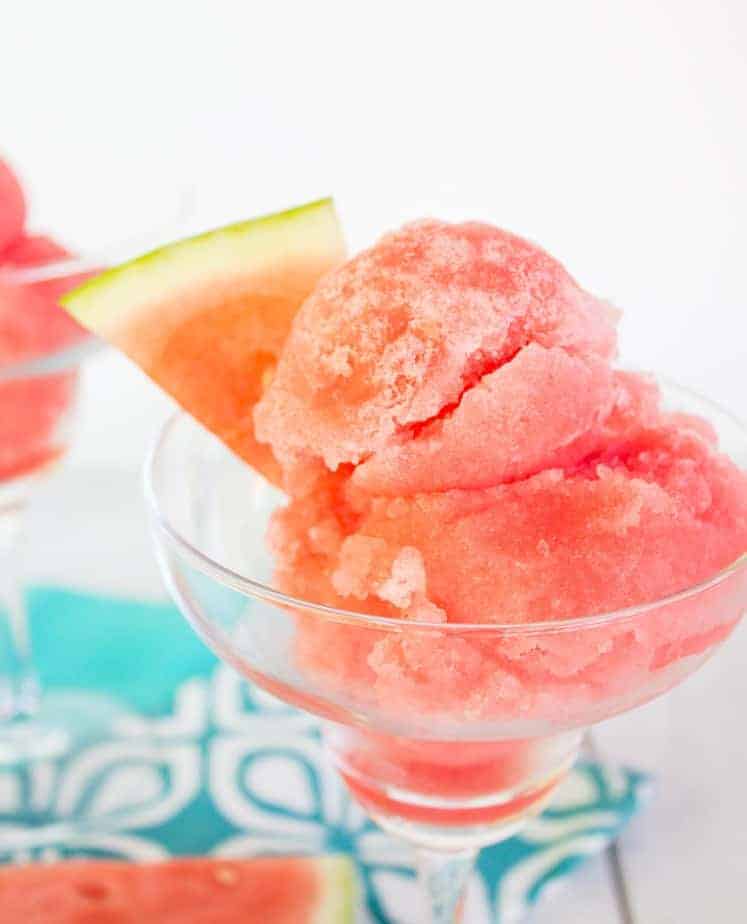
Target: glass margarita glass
x=449 y=767
x=38 y=404
x=41 y=355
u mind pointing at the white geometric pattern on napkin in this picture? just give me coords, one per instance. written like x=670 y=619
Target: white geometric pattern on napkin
x=262 y=765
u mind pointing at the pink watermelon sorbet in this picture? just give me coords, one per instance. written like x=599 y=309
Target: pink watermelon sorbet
x=458 y=447
x=32 y=326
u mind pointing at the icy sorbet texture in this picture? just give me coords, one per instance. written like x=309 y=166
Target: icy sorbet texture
x=458 y=447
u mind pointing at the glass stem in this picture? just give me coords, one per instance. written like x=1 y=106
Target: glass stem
x=19 y=683
x=443 y=880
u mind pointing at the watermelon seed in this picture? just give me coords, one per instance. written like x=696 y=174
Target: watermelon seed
x=226 y=876
x=93 y=891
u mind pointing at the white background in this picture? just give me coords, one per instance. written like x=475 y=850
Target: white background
x=611 y=132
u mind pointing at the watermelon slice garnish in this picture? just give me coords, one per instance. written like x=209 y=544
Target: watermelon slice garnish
x=206 y=317
x=302 y=890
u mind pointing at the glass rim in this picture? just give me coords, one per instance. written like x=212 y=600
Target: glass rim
x=166 y=229
x=61 y=359
x=72 y=354
x=259 y=590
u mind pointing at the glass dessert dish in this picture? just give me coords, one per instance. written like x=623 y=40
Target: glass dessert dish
x=462 y=732
x=38 y=405
x=41 y=353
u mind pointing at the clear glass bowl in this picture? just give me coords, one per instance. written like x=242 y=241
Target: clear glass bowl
x=38 y=409
x=39 y=403
x=455 y=746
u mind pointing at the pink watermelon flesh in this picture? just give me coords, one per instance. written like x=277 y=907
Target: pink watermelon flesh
x=12 y=206
x=206 y=317
x=184 y=891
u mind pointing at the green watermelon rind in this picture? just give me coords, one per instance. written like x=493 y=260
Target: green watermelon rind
x=116 y=295
x=340 y=893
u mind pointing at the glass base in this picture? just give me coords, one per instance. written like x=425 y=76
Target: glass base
x=450 y=796
x=450 y=825
x=36 y=757
x=64 y=721
x=29 y=740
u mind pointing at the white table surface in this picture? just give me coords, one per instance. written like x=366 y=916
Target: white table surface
x=683 y=860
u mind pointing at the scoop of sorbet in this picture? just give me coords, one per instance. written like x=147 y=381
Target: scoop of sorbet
x=484 y=460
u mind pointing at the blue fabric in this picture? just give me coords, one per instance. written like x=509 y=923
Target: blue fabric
x=200 y=762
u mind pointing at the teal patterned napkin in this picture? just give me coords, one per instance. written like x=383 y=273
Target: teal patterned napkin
x=200 y=762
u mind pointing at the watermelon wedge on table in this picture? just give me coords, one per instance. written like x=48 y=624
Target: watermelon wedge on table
x=304 y=890
x=206 y=317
